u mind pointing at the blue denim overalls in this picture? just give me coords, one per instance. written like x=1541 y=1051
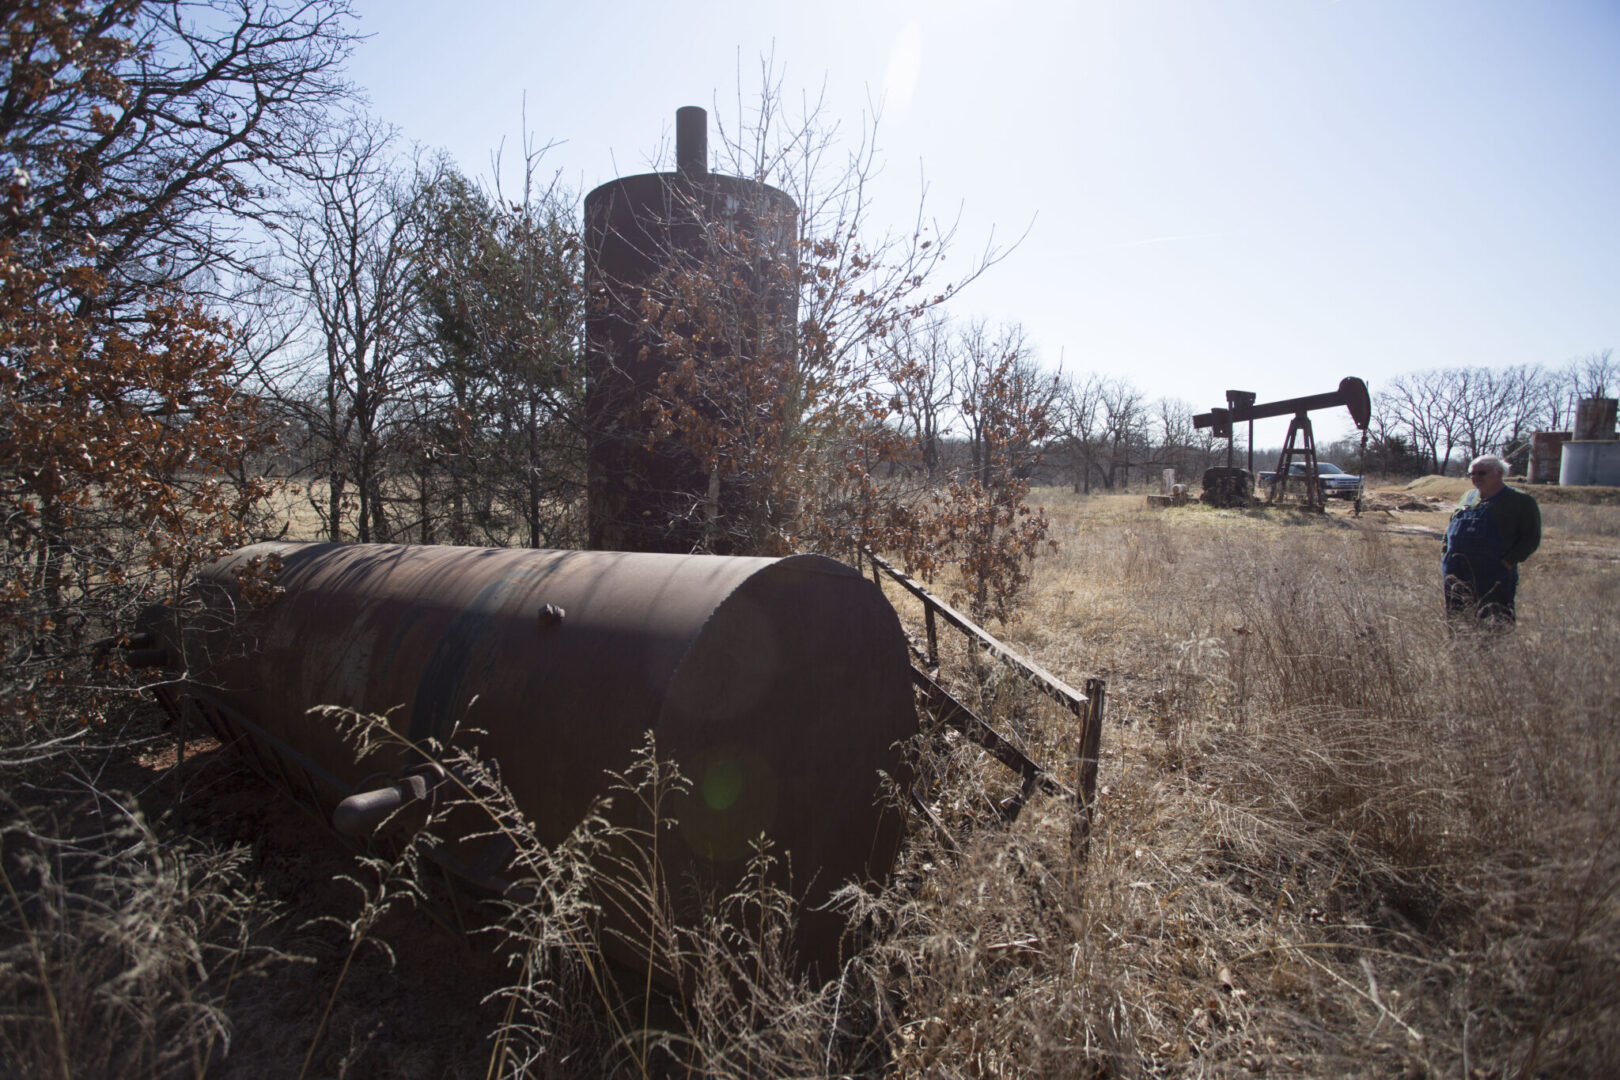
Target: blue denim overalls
x=1471 y=567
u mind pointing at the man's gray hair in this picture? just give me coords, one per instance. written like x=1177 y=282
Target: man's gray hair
x=1495 y=461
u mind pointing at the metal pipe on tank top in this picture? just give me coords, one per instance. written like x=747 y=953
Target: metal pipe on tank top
x=691 y=142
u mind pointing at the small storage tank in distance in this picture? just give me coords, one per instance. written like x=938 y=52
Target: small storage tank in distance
x=781 y=687
x=1589 y=462
x=1546 y=455
x=1595 y=418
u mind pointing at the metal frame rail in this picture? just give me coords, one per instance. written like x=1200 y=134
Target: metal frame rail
x=1087 y=708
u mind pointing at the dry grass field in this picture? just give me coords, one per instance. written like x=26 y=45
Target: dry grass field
x=1337 y=840
x=1333 y=839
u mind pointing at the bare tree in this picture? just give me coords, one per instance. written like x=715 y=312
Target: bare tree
x=502 y=305
x=161 y=130
x=1418 y=404
x=350 y=253
x=993 y=378
x=981 y=522
x=1523 y=393
x=1389 y=449
x=1077 y=427
x=1180 y=445
x=1596 y=375
x=1476 y=412
x=1124 y=432
x=1100 y=426
x=920 y=365
x=1441 y=411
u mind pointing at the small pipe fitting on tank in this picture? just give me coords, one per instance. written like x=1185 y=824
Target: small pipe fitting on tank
x=361 y=814
x=692 y=142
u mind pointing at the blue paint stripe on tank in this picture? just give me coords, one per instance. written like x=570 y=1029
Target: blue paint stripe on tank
x=441 y=688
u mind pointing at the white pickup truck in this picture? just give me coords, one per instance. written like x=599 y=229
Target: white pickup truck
x=1336 y=483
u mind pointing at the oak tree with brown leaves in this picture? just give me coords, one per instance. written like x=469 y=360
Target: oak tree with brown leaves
x=134 y=134
x=120 y=454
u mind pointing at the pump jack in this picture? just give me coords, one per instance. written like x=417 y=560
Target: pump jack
x=1301 y=443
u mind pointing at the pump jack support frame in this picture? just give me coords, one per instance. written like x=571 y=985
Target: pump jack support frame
x=1301 y=446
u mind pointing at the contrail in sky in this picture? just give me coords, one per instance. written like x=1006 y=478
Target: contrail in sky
x=1166 y=239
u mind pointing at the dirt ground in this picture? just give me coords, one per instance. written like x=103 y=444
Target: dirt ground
x=1451 y=488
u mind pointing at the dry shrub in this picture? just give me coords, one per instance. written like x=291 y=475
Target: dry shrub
x=119 y=948
x=1576 y=519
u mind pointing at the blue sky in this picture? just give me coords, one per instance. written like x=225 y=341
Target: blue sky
x=1264 y=195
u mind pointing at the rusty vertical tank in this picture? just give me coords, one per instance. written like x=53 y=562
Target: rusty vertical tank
x=1546 y=456
x=1595 y=419
x=644 y=493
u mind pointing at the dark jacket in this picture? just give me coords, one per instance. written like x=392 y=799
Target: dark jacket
x=1517 y=518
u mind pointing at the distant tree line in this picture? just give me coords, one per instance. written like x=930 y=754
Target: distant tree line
x=1107 y=434
x=1437 y=420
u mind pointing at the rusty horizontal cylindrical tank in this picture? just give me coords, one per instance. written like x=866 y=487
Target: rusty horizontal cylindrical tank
x=644 y=492
x=779 y=686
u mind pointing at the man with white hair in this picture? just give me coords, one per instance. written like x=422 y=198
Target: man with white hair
x=1492 y=531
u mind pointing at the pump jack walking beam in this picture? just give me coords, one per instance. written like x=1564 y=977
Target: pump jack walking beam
x=1352 y=393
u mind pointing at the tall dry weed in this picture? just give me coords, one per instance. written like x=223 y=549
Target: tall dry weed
x=720 y=995
x=1333 y=839
x=119 y=948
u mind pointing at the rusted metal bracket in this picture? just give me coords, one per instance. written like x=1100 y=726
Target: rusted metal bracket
x=938 y=702
x=941 y=704
x=309 y=785
x=1037 y=676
